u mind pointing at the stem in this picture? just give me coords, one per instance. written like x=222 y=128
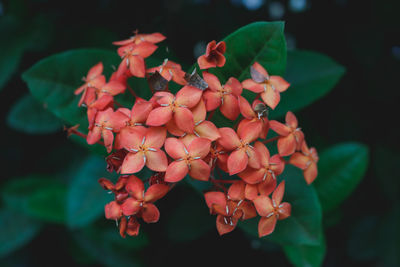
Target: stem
x=118 y=104
x=73 y=130
x=271 y=139
x=132 y=91
x=210 y=115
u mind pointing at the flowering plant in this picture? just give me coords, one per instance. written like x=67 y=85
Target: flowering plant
x=225 y=127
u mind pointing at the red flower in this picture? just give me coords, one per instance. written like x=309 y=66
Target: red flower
x=243 y=153
x=170 y=70
x=133 y=58
x=224 y=97
x=145 y=149
x=271 y=210
x=176 y=108
x=106 y=123
x=94 y=79
x=187 y=159
x=95 y=104
x=137 y=117
x=218 y=156
x=214 y=56
x=253 y=117
x=141 y=202
x=307 y=161
x=202 y=128
x=229 y=208
x=291 y=136
x=270 y=87
x=139 y=38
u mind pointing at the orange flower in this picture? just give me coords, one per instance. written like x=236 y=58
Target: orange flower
x=269 y=87
x=214 y=56
x=307 y=161
x=271 y=210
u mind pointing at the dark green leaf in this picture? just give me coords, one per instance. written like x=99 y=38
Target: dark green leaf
x=385 y=164
x=306 y=256
x=27 y=115
x=312 y=75
x=16 y=230
x=304 y=226
x=108 y=248
x=341 y=168
x=86 y=198
x=190 y=219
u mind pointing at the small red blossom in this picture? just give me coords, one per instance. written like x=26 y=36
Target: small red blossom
x=243 y=154
x=291 y=136
x=271 y=210
x=170 y=71
x=251 y=116
x=269 y=87
x=214 y=56
x=188 y=159
x=133 y=56
x=307 y=161
x=225 y=97
x=141 y=201
x=94 y=78
x=144 y=149
x=177 y=108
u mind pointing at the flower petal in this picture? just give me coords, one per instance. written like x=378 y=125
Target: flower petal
x=234 y=86
x=133 y=163
x=287 y=145
x=208 y=130
x=277 y=196
x=150 y=213
x=159 y=116
x=284 y=210
x=184 y=119
x=144 y=49
x=188 y=96
x=299 y=160
x=175 y=148
x=267 y=187
x=137 y=66
x=252 y=176
x=213 y=82
x=199 y=112
x=271 y=97
x=155 y=192
x=204 y=63
x=131 y=206
x=251 y=132
x=140 y=111
x=266 y=226
x=236 y=190
x=263 y=205
x=311 y=173
x=251 y=191
x=263 y=153
x=260 y=69
x=245 y=108
x=211 y=99
x=280 y=128
x=217 y=198
x=199 y=147
x=176 y=171
x=113 y=211
x=225 y=224
x=230 y=107
x=279 y=83
x=237 y=161
x=229 y=139
x=155 y=137
x=251 y=85
x=156 y=160
x=135 y=187
x=291 y=120
x=199 y=170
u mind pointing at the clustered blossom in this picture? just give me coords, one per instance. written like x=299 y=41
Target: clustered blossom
x=174 y=136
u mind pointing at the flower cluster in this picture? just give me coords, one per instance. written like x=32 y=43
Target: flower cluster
x=174 y=136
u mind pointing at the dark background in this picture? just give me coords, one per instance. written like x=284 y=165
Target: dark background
x=363 y=36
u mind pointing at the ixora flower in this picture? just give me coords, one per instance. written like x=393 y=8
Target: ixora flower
x=174 y=134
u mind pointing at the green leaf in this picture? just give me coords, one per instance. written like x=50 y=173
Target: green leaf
x=37 y=196
x=263 y=42
x=306 y=256
x=27 y=115
x=304 y=226
x=110 y=249
x=16 y=230
x=49 y=203
x=385 y=165
x=311 y=75
x=341 y=168
x=11 y=47
x=53 y=81
x=190 y=219
x=85 y=197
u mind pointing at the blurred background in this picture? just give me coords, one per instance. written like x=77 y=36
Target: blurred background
x=363 y=36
